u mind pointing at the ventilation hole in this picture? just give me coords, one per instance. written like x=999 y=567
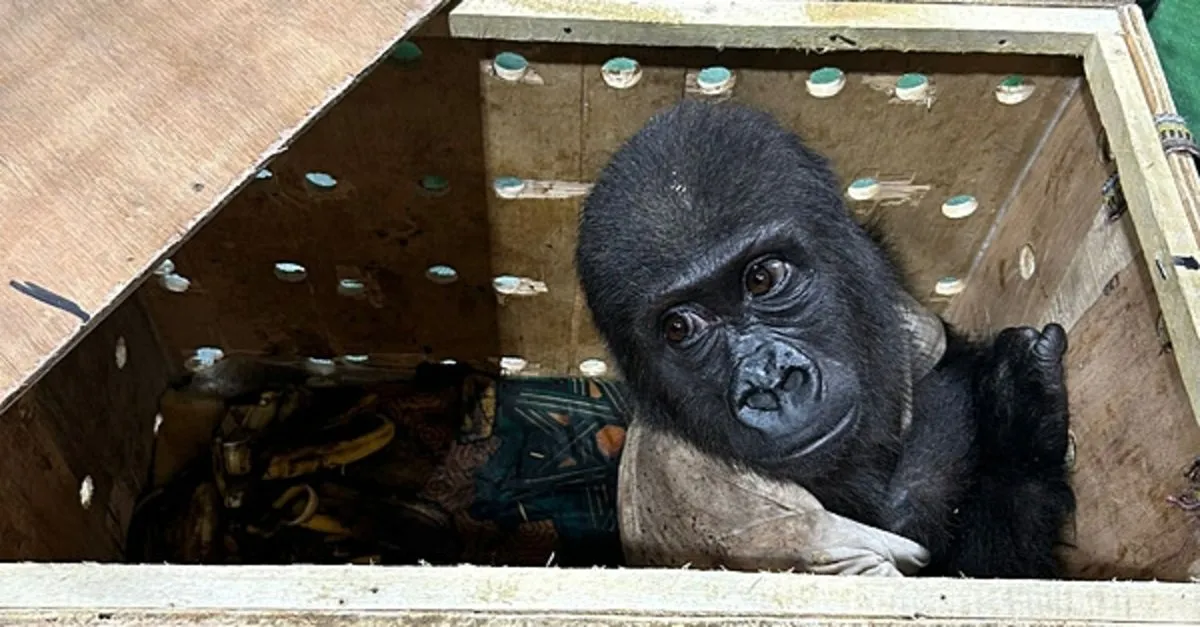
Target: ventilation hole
x=593 y=367
x=863 y=189
x=87 y=489
x=961 y=206
x=948 y=286
x=826 y=82
x=204 y=357
x=290 y=272
x=1002 y=42
x=435 y=185
x=621 y=72
x=158 y=421
x=263 y=174
x=320 y=366
x=174 y=283
x=166 y=267
x=512 y=365
x=406 y=52
x=356 y=359
x=321 y=180
x=509 y=285
x=912 y=87
x=448 y=362
x=351 y=287
x=1069 y=457
x=510 y=66
x=714 y=80
x=1014 y=90
x=508 y=186
x=121 y=354
x=441 y=274
x=1026 y=262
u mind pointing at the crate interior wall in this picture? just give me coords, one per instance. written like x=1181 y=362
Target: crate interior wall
x=416 y=149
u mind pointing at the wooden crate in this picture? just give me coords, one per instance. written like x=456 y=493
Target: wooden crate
x=137 y=132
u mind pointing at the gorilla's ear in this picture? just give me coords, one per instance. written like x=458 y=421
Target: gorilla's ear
x=926 y=342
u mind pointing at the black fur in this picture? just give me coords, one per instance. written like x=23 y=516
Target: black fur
x=798 y=380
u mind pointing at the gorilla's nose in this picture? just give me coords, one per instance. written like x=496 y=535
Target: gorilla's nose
x=771 y=375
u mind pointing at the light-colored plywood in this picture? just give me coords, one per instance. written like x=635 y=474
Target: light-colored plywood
x=531 y=596
x=89 y=421
x=1134 y=439
x=1041 y=227
x=824 y=26
x=124 y=125
x=1160 y=215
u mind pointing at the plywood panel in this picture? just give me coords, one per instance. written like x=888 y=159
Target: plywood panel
x=1134 y=438
x=377 y=225
x=89 y=419
x=1043 y=226
x=960 y=141
x=123 y=126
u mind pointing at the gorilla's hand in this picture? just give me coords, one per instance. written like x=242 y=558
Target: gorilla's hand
x=1025 y=393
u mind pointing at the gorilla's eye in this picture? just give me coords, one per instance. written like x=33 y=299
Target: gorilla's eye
x=764 y=275
x=678 y=326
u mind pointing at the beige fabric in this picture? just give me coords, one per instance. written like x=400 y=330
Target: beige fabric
x=678 y=506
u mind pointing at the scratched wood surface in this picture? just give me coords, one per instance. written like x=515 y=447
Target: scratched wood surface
x=124 y=125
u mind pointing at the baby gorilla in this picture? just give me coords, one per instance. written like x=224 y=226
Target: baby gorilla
x=753 y=317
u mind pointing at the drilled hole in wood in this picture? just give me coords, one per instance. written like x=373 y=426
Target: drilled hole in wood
x=1069 y=457
x=508 y=186
x=593 y=367
x=949 y=286
x=121 y=354
x=508 y=285
x=158 y=421
x=511 y=365
x=351 y=287
x=510 y=66
x=449 y=362
x=320 y=366
x=263 y=174
x=714 y=80
x=441 y=274
x=1014 y=90
x=621 y=72
x=958 y=207
x=912 y=87
x=863 y=189
x=203 y=357
x=1026 y=262
x=290 y=272
x=356 y=359
x=321 y=180
x=826 y=82
x=406 y=52
x=434 y=185
x=87 y=489
x=169 y=280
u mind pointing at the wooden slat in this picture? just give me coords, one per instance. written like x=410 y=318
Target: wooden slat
x=468 y=595
x=124 y=125
x=825 y=26
x=1155 y=201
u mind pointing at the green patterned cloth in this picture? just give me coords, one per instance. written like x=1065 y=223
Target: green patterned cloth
x=1174 y=25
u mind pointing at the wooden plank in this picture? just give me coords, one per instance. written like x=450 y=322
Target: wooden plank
x=1155 y=202
x=468 y=595
x=410 y=118
x=124 y=125
x=822 y=26
x=1042 y=225
x=1134 y=439
x=89 y=420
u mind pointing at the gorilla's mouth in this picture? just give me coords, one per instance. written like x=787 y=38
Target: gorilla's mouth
x=808 y=446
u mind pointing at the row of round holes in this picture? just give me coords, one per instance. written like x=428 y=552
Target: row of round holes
x=826 y=82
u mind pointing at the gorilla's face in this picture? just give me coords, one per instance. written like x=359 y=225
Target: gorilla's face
x=757 y=346
x=746 y=309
